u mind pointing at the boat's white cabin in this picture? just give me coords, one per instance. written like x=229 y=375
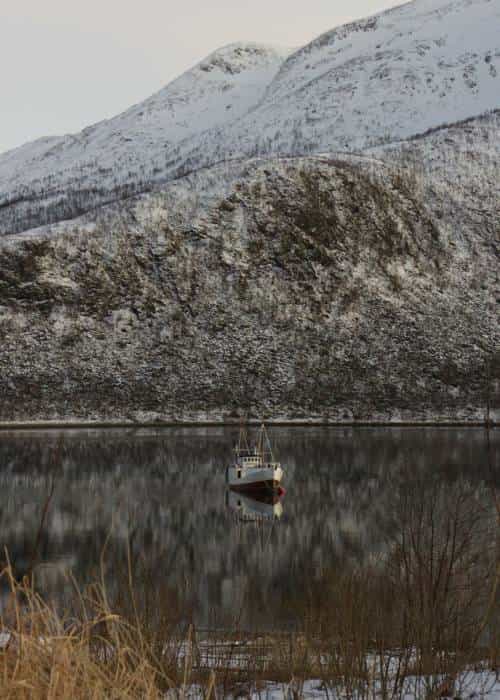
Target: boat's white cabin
x=252 y=461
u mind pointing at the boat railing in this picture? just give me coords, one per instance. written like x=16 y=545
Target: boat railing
x=259 y=465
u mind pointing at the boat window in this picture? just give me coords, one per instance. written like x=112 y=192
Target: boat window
x=239 y=473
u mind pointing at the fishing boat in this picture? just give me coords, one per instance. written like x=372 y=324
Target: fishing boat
x=254 y=467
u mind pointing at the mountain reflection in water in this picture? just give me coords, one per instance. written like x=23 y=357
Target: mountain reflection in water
x=162 y=493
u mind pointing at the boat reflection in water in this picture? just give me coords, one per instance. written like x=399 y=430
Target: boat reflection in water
x=254 y=467
x=256 y=506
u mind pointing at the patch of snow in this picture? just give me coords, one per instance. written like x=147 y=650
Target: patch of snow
x=5 y=638
x=470 y=686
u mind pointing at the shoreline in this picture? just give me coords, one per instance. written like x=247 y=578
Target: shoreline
x=313 y=423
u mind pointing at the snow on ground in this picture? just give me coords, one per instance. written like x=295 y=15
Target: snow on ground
x=474 y=683
x=4 y=639
x=472 y=686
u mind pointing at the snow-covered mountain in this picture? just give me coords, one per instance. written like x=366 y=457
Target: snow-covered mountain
x=126 y=153
x=374 y=81
x=216 y=91
x=390 y=76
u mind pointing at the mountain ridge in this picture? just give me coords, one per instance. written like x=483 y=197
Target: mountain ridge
x=237 y=103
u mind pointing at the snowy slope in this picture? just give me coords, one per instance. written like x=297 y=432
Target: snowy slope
x=391 y=76
x=385 y=78
x=222 y=87
x=133 y=147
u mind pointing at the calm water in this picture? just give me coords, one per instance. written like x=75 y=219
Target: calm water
x=162 y=494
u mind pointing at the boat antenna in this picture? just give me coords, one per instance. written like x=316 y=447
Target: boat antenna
x=243 y=439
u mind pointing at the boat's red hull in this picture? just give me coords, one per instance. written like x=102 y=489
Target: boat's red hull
x=263 y=495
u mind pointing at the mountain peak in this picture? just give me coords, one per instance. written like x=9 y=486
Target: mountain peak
x=241 y=56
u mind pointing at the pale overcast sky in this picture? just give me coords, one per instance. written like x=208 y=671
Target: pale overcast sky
x=65 y=64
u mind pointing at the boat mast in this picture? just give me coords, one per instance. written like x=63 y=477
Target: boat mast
x=264 y=438
x=260 y=443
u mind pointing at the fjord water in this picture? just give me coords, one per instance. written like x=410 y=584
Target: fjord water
x=79 y=500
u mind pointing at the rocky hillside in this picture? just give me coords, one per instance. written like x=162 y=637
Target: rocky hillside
x=310 y=287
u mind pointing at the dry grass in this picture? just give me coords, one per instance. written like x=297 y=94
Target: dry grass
x=98 y=655
x=362 y=651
